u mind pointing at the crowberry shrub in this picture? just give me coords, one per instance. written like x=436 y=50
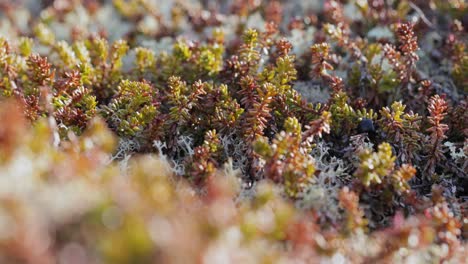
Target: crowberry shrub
x=243 y=131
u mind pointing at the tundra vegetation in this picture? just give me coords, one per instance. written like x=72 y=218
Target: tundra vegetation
x=235 y=131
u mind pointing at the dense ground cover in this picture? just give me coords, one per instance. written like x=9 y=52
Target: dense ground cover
x=233 y=131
